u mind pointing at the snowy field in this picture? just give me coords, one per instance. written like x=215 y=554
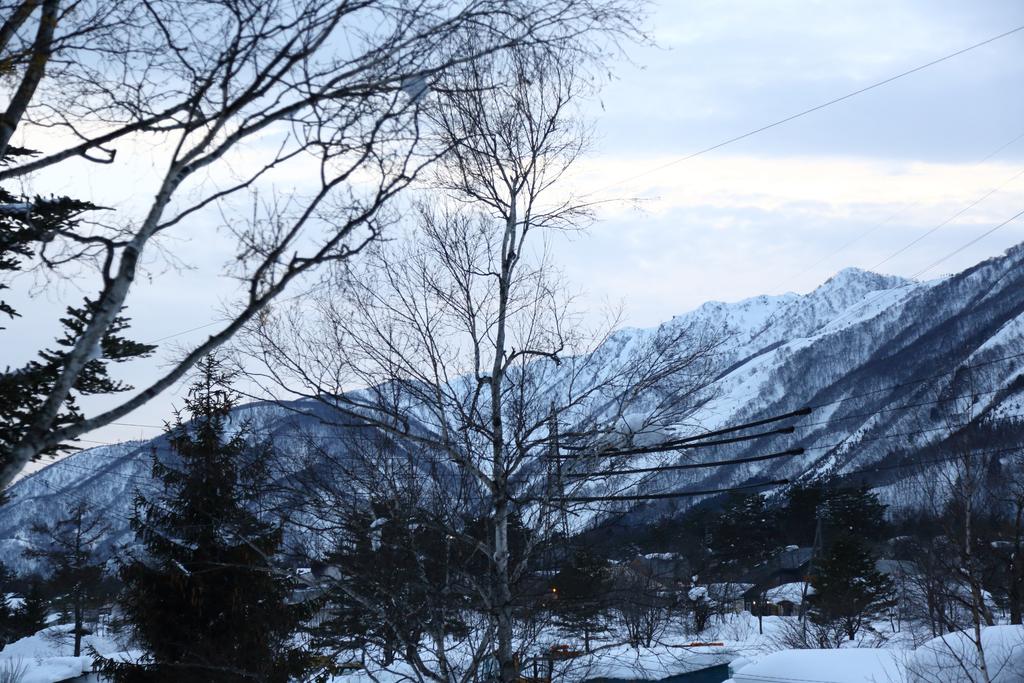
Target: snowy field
x=755 y=658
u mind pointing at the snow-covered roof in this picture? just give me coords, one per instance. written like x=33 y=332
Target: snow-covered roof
x=728 y=591
x=896 y=567
x=14 y=600
x=952 y=658
x=788 y=592
x=661 y=556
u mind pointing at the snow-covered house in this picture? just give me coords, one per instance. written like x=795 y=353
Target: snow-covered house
x=785 y=600
x=789 y=566
x=15 y=601
x=666 y=568
x=728 y=596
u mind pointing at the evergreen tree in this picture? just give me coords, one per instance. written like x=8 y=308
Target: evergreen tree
x=423 y=593
x=854 y=512
x=849 y=511
x=69 y=546
x=744 y=535
x=26 y=225
x=848 y=588
x=31 y=616
x=798 y=521
x=206 y=600
x=8 y=622
x=581 y=593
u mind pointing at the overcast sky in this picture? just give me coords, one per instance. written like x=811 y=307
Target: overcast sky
x=770 y=213
x=778 y=211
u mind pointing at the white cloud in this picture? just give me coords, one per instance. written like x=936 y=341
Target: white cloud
x=825 y=187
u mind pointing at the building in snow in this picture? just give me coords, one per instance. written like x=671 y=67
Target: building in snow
x=791 y=566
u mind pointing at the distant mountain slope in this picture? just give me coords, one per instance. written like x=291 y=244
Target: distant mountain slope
x=858 y=349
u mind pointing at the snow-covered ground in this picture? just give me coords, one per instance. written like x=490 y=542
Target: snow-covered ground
x=875 y=657
x=733 y=638
x=46 y=657
x=949 y=659
x=879 y=655
x=856 y=665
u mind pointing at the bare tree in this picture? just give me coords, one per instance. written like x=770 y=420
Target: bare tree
x=1009 y=501
x=956 y=489
x=331 y=91
x=463 y=341
x=643 y=604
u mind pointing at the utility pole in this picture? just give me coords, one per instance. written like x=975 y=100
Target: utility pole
x=555 y=469
x=816 y=549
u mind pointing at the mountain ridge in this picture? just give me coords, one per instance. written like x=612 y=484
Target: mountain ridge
x=856 y=347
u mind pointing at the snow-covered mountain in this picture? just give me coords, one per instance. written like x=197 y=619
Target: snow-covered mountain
x=884 y=362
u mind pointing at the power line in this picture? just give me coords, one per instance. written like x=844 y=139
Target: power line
x=676 y=445
x=846 y=440
x=672 y=446
x=692 y=441
x=811 y=110
x=759 y=130
x=918 y=462
x=906 y=208
x=906 y=406
x=191 y=329
x=662 y=496
x=281 y=300
x=791 y=429
x=679 y=494
x=971 y=242
x=800 y=412
x=882 y=293
x=780 y=482
x=674 y=442
x=873 y=439
x=879 y=295
x=688 y=466
x=931 y=231
x=684 y=442
x=739 y=461
x=946 y=222
x=687 y=442
x=737 y=138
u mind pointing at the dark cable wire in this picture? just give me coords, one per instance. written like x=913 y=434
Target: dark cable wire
x=675 y=494
x=675 y=445
x=689 y=466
